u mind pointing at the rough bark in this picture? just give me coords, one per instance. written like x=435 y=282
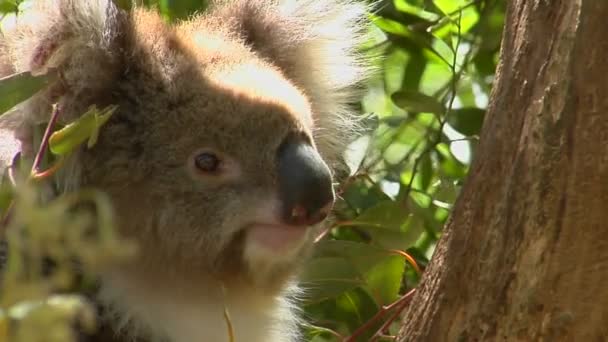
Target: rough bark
x=525 y=254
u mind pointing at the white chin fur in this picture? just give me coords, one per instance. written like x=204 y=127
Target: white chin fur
x=264 y=254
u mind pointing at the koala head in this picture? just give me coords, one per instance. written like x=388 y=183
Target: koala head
x=220 y=158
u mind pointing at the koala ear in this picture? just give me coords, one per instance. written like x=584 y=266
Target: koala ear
x=79 y=38
x=312 y=41
x=315 y=43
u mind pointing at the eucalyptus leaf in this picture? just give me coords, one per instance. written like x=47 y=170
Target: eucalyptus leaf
x=414 y=101
x=17 y=88
x=328 y=277
x=467 y=121
x=87 y=127
x=338 y=266
x=384 y=280
x=386 y=214
x=8 y=6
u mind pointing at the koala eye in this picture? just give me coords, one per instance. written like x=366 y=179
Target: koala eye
x=207 y=162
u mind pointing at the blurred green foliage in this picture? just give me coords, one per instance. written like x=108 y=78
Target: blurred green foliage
x=425 y=109
x=439 y=59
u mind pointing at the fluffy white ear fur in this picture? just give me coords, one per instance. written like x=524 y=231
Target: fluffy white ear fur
x=66 y=34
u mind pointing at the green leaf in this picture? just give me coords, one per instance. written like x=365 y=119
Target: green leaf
x=355 y=307
x=8 y=6
x=360 y=197
x=425 y=171
x=327 y=277
x=67 y=139
x=449 y=166
x=17 y=88
x=176 y=10
x=414 y=70
x=389 y=224
x=484 y=63
x=338 y=266
x=384 y=280
x=467 y=121
x=6 y=198
x=414 y=101
x=386 y=214
x=363 y=256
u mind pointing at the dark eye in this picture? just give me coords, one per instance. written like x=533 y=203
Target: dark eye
x=207 y=162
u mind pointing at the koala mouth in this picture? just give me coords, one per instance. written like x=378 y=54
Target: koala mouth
x=276 y=237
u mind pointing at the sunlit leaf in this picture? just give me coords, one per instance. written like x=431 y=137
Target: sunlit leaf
x=386 y=214
x=67 y=139
x=449 y=166
x=389 y=225
x=404 y=6
x=356 y=306
x=338 y=266
x=384 y=280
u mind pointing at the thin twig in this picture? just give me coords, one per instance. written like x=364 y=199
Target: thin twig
x=383 y=311
x=403 y=302
x=44 y=144
x=50 y=171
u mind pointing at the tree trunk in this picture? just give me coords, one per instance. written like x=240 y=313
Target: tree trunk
x=525 y=254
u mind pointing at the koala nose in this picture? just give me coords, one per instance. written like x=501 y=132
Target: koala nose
x=305 y=183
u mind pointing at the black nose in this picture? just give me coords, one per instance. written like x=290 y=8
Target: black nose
x=305 y=183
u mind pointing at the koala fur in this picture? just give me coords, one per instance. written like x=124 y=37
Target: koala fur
x=234 y=80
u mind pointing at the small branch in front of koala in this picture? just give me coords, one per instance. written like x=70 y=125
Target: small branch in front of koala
x=400 y=304
x=44 y=144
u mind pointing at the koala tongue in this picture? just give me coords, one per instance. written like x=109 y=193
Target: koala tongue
x=276 y=237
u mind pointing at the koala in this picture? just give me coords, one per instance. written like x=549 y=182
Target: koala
x=220 y=159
